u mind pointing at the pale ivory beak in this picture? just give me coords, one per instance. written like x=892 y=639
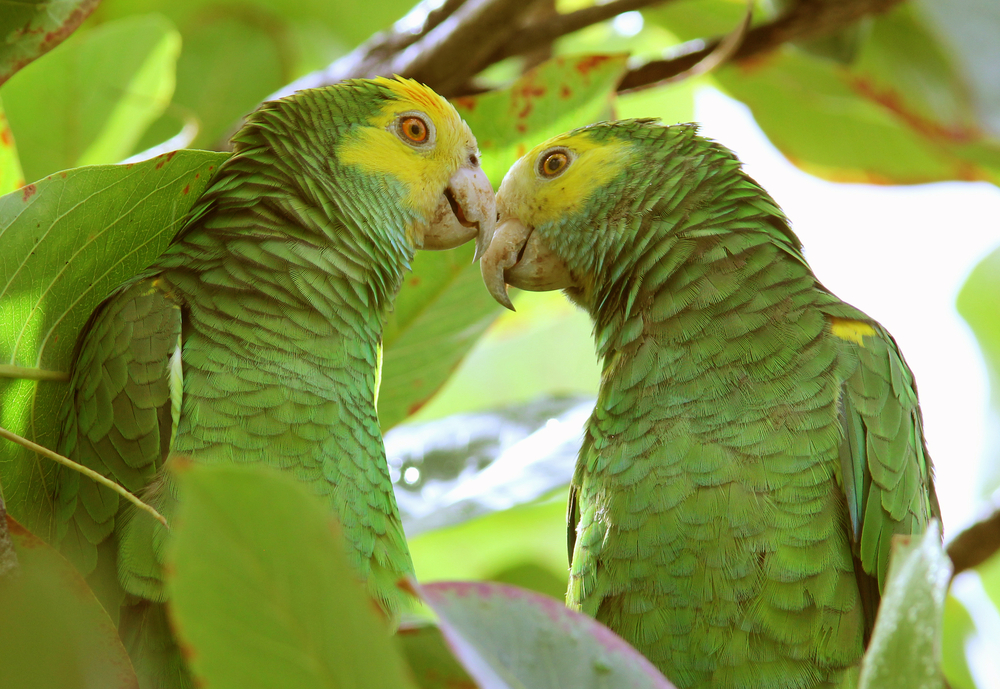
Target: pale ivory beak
x=518 y=257
x=467 y=210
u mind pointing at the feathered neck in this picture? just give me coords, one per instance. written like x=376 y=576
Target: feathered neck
x=675 y=216
x=284 y=183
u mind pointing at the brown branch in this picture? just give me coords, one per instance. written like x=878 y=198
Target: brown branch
x=535 y=35
x=806 y=19
x=976 y=544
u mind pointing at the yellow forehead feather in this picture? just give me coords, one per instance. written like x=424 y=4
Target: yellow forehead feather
x=536 y=200
x=376 y=149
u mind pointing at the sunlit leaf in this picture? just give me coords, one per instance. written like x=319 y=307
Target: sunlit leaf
x=490 y=547
x=905 y=648
x=261 y=591
x=31 y=28
x=507 y=637
x=68 y=241
x=90 y=101
x=496 y=373
x=54 y=632
x=11 y=177
x=958 y=628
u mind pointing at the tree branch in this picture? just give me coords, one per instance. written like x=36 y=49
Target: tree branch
x=806 y=19
x=976 y=544
x=533 y=36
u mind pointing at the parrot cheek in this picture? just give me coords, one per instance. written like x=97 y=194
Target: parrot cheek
x=539 y=269
x=518 y=256
x=466 y=210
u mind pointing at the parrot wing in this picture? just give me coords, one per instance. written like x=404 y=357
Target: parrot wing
x=125 y=398
x=885 y=467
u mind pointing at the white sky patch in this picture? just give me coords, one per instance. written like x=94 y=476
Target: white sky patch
x=627 y=23
x=900 y=254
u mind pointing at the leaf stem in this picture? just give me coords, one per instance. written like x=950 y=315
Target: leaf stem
x=25 y=373
x=90 y=473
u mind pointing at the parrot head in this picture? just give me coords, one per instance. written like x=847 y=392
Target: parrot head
x=547 y=236
x=585 y=210
x=414 y=150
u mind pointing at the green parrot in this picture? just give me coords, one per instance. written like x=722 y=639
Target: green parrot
x=756 y=442
x=256 y=336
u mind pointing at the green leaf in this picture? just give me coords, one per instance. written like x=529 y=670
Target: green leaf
x=54 y=632
x=68 y=241
x=493 y=546
x=507 y=637
x=11 y=177
x=438 y=316
x=496 y=371
x=261 y=592
x=958 y=628
x=989 y=574
x=905 y=648
x=557 y=95
x=31 y=28
x=977 y=303
x=236 y=54
x=431 y=662
x=90 y=101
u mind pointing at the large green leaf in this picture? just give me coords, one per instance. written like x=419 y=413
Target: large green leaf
x=439 y=315
x=236 y=54
x=31 y=28
x=90 y=101
x=557 y=95
x=507 y=638
x=261 y=591
x=68 y=241
x=905 y=648
x=53 y=631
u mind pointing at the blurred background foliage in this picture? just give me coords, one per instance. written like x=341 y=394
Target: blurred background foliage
x=491 y=405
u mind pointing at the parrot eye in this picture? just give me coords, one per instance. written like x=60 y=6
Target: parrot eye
x=414 y=129
x=553 y=163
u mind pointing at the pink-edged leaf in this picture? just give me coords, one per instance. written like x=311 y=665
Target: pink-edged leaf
x=509 y=637
x=31 y=28
x=53 y=630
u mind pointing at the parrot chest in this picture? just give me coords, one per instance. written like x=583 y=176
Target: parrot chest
x=711 y=524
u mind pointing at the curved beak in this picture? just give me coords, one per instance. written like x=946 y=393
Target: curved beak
x=517 y=256
x=467 y=210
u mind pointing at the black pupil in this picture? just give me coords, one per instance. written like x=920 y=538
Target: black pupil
x=553 y=163
x=415 y=129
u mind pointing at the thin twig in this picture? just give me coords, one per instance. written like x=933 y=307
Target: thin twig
x=25 y=373
x=90 y=473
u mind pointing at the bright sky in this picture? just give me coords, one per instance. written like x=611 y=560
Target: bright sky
x=900 y=254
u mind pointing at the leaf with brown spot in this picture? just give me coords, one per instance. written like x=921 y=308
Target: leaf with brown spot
x=31 y=28
x=55 y=632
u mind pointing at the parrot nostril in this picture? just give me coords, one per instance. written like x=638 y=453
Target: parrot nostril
x=474 y=159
